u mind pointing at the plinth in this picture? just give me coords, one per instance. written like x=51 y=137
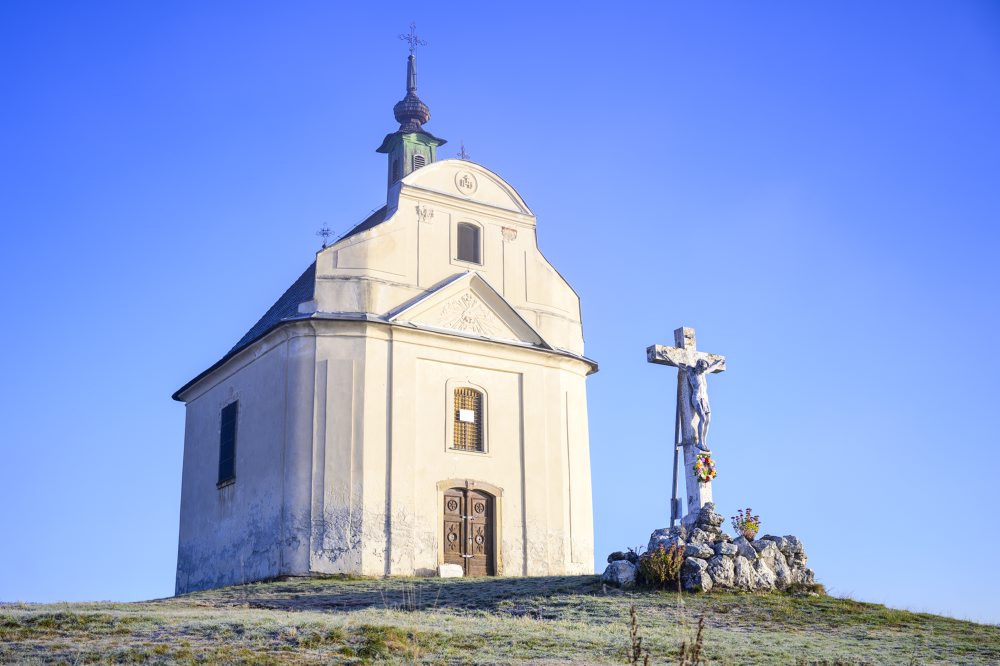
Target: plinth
x=699 y=493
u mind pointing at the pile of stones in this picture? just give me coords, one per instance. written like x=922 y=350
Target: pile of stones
x=714 y=560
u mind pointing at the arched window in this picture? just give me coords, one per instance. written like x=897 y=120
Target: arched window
x=419 y=161
x=468 y=420
x=468 y=243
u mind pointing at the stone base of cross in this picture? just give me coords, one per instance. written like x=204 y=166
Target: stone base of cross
x=699 y=493
x=693 y=415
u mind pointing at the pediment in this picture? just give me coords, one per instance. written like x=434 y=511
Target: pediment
x=468 y=305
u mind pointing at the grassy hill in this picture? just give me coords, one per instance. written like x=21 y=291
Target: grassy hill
x=505 y=620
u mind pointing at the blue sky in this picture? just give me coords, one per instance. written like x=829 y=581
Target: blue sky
x=813 y=186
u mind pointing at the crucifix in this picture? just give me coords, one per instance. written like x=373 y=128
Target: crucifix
x=325 y=232
x=413 y=39
x=693 y=413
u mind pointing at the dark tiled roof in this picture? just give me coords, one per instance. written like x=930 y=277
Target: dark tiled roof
x=375 y=219
x=285 y=307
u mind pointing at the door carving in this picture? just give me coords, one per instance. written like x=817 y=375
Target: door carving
x=468 y=531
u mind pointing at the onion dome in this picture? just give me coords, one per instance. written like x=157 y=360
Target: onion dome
x=410 y=111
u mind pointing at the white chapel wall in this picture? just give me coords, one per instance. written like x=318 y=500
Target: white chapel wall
x=229 y=535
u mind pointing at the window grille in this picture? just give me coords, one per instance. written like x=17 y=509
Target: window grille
x=468 y=420
x=419 y=161
x=468 y=243
x=227 y=443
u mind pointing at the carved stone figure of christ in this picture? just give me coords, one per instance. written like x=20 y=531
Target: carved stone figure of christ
x=698 y=397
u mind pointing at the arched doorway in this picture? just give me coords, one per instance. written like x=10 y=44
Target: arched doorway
x=469 y=530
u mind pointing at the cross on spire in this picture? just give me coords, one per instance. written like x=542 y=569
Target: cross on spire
x=413 y=39
x=462 y=155
x=325 y=232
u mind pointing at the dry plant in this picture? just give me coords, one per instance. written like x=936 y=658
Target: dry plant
x=410 y=600
x=662 y=566
x=690 y=654
x=636 y=654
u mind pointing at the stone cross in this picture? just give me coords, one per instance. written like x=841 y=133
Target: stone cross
x=693 y=413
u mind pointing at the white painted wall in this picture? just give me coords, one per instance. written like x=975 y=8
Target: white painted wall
x=344 y=426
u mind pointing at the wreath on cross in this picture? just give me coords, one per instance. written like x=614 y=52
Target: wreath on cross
x=704 y=467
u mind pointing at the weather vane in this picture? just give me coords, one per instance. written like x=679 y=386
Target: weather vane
x=462 y=155
x=413 y=39
x=325 y=233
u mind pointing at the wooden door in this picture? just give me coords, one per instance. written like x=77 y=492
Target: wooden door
x=468 y=531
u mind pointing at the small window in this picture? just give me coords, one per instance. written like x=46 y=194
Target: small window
x=419 y=161
x=396 y=171
x=227 y=443
x=468 y=420
x=468 y=243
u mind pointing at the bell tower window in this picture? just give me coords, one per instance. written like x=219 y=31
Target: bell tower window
x=469 y=246
x=419 y=161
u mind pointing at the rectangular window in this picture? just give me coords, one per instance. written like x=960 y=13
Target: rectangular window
x=227 y=443
x=468 y=243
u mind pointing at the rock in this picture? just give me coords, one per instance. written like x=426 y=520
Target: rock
x=616 y=556
x=708 y=519
x=744 y=548
x=666 y=538
x=793 y=545
x=768 y=552
x=760 y=544
x=724 y=548
x=722 y=571
x=699 y=535
x=742 y=573
x=620 y=573
x=782 y=572
x=694 y=575
x=780 y=542
x=764 y=580
x=450 y=571
x=699 y=550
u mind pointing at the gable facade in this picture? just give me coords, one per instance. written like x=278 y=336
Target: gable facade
x=402 y=406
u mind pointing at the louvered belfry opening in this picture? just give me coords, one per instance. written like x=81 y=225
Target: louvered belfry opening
x=419 y=161
x=468 y=420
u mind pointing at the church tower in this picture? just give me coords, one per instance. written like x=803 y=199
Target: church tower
x=414 y=403
x=411 y=146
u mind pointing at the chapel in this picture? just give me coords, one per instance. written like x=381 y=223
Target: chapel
x=416 y=398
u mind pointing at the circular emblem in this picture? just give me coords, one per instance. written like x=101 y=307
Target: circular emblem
x=452 y=505
x=479 y=539
x=479 y=507
x=452 y=536
x=466 y=183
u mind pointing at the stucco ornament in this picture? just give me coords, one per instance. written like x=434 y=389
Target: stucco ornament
x=424 y=213
x=467 y=313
